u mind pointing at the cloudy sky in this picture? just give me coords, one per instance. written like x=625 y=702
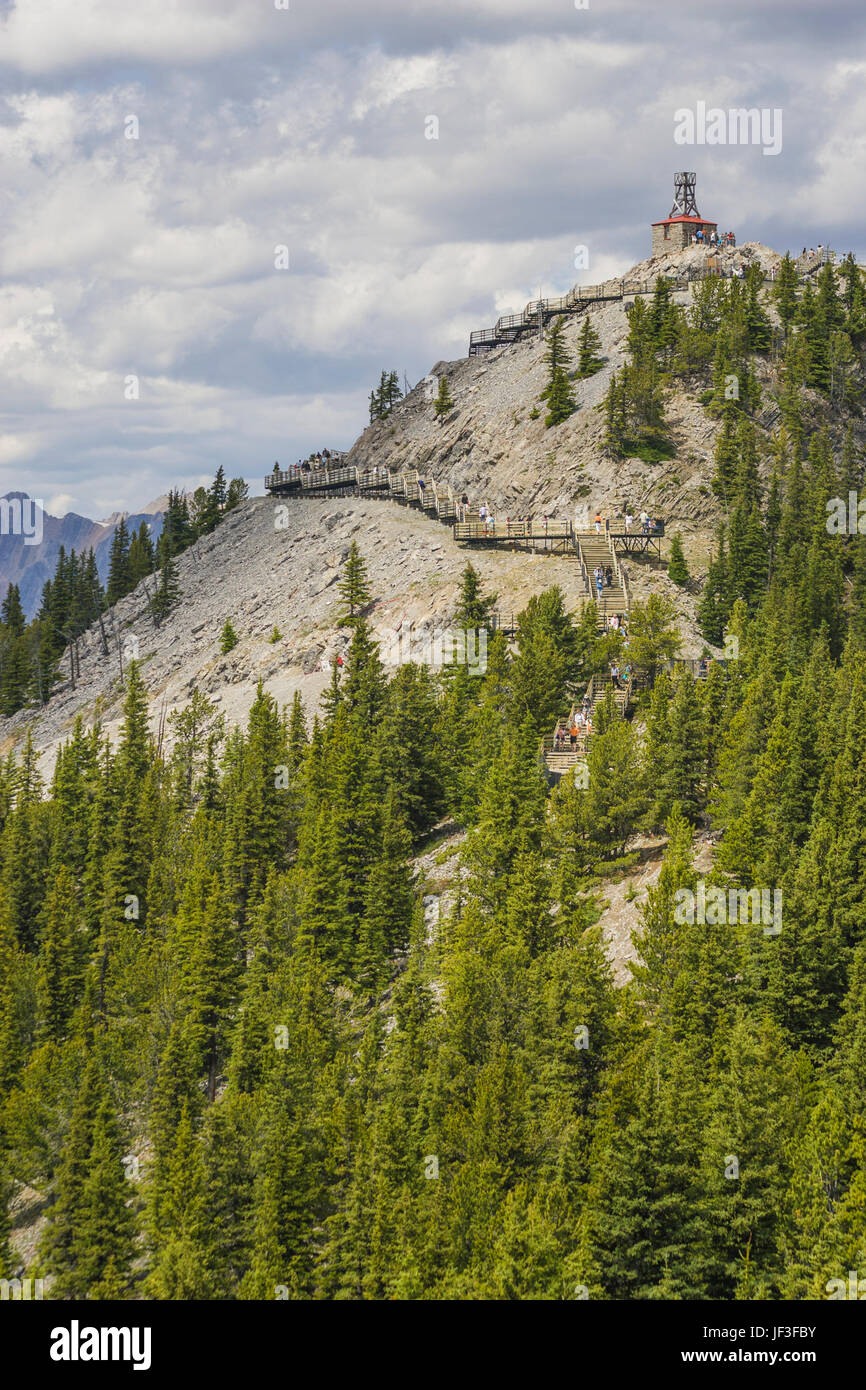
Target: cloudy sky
x=308 y=128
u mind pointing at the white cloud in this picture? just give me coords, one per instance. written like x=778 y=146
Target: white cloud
x=44 y=36
x=260 y=127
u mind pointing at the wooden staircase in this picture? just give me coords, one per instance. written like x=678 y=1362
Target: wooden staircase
x=595 y=550
x=562 y=758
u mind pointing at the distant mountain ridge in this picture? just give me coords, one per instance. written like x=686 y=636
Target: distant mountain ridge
x=29 y=566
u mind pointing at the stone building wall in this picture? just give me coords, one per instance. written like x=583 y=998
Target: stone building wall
x=679 y=235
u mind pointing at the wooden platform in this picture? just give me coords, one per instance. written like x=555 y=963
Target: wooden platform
x=557 y=536
x=637 y=541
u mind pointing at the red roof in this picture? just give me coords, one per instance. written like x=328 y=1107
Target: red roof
x=701 y=221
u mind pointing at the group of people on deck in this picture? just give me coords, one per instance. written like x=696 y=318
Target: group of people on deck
x=702 y=238
x=647 y=522
x=323 y=459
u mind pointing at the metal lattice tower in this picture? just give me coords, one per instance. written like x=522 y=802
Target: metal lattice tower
x=684 y=196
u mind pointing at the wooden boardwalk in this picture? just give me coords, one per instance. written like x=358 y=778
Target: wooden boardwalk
x=510 y=328
x=538 y=534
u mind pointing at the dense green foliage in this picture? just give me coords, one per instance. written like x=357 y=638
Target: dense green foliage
x=241 y=1059
x=444 y=402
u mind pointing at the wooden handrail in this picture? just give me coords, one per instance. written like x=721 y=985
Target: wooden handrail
x=580 y=295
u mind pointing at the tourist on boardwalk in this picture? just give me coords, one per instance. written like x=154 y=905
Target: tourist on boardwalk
x=628 y=521
x=598 y=523
x=608 y=576
x=572 y=734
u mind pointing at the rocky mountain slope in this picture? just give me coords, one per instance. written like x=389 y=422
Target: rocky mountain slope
x=262 y=577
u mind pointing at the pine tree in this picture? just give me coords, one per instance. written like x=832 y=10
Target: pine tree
x=509 y=817
x=616 y=422
x=354 y=587
x=363 y=689
x=653 y=638
x=61 y=1240
x=785 y=292
x=228 y=637
x=180 y=1260
x=589 y=361
x=443 y=403
x=141 y=555
x=681 y=778
x=103 y=1245
x=389 y=898
x=14 y=663
x=474 y=608
x=168 y=589
x=119 y=574
x=61 y=957
x=238 y=491
x=677 y=567
x=558 y=392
